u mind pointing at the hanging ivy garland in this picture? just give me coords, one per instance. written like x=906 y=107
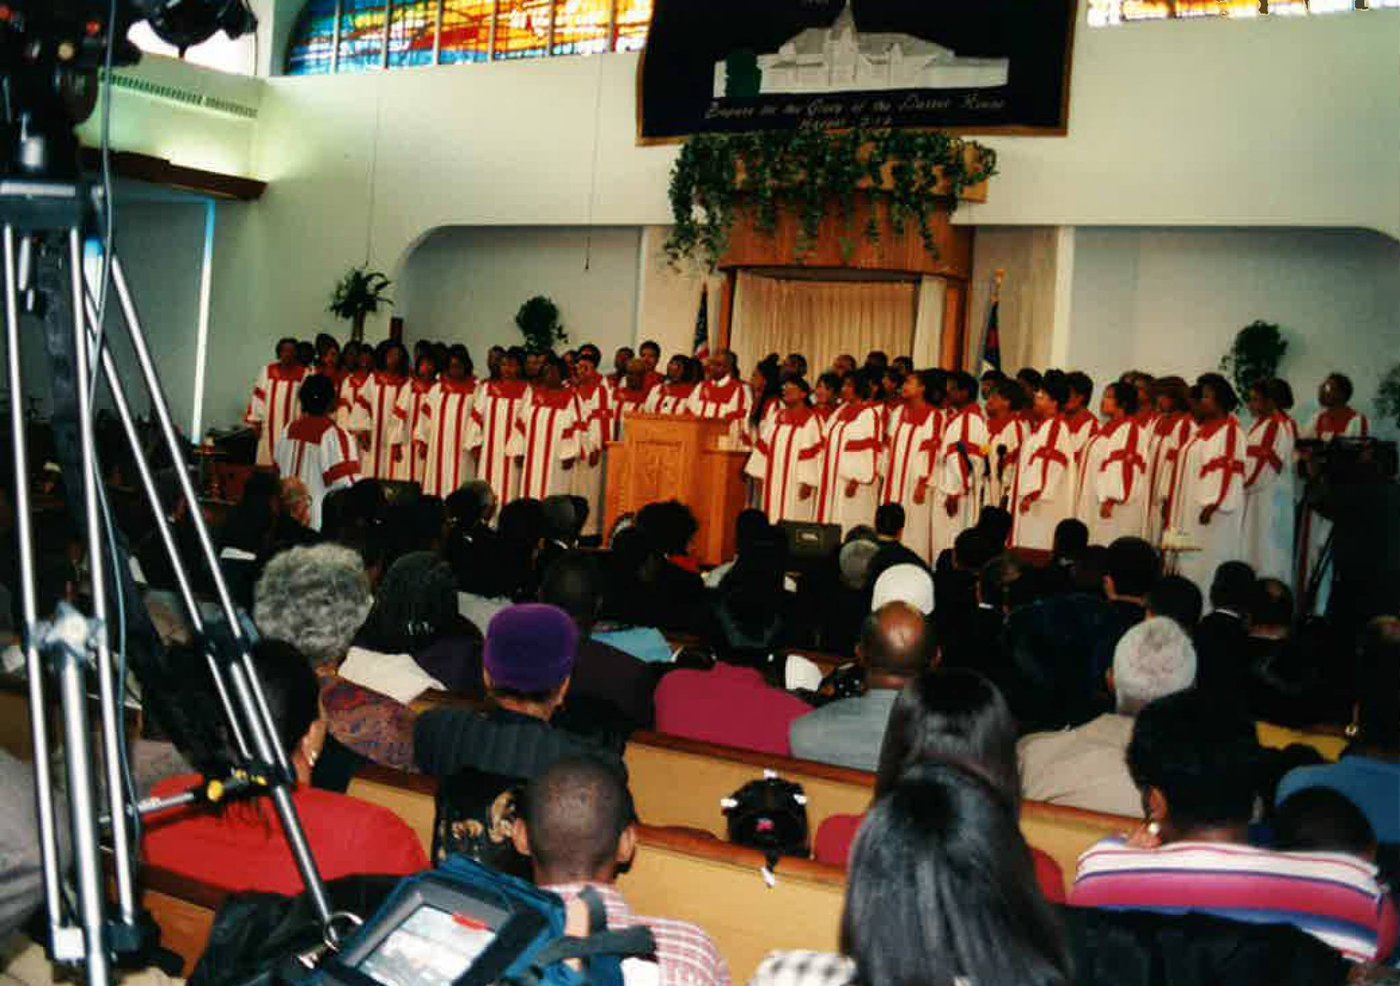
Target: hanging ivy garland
x=913 y=173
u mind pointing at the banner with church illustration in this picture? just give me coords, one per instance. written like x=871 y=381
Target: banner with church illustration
x=729 y=66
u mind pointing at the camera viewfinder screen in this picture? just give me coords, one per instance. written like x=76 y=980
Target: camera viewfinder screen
x=431 y=948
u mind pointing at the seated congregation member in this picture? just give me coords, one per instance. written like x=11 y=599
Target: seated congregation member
x=1084 y=767
x=955 y=593
x=911 y=436
x=546 y=443
x=941 y=890
x=945 y=716
x=1195 y=763
x=1368 y=774
x=577 y=826
x=672 y=593
x=957 y=465
x=314 y=449
x=1318 y=819
x=240 y=847
x=1112 y=493
x=1205 y=510
x=1222 y=638
x=1291 y=678
x=786 y=460
x=316 y=599
x=1045 y=471
x=889 y=532
x=849 y=486
x=1270 y=486
x=895 y=646
x=908 y=584
x=1177 y=598
x=471 y=548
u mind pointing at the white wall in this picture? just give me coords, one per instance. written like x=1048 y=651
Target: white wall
x=466 y=284
x=1171 y=301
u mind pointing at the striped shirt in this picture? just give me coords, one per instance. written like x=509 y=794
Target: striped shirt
x=685 y=955
x=1332 y=896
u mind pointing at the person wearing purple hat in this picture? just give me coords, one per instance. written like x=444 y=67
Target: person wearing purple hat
x=529 y=659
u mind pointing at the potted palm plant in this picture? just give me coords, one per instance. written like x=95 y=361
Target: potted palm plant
x=538 y=321
x=359 y=293
x=1388 y=396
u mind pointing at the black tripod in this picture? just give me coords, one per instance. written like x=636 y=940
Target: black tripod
x=45 y=233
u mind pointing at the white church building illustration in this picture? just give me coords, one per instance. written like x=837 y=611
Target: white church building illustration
x=839 y=58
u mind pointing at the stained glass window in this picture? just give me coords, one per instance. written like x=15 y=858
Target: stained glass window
x=581 y=27
x=522 y=28
x=633 y=19
x=412 y=29
x=312 y=51
x=466 y=31
x=361 y=35
x=1106 y=12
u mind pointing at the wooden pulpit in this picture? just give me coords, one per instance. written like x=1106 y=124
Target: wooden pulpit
x=670 y=457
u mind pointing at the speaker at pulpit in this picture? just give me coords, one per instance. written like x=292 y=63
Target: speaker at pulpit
x=670 y=457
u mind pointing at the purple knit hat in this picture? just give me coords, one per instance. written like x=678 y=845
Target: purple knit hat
x=530 y=648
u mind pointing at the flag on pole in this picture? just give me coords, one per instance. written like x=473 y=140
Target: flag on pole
x=991 y=336
x=702 y=325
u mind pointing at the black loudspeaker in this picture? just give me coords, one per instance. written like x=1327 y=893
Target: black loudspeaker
x=808 y=544
x=397 y=491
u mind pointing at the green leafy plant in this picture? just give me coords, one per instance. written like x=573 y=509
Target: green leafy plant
x=538 y=321
x=1254 y=355
x=912 y=174
x=1388 y=396
x=359 y=294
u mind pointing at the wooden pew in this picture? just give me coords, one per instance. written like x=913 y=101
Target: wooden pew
x=183 y=909
x=680 y=782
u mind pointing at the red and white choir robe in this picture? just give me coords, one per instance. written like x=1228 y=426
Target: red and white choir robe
x=547 y=430
x=1269 y=493
x=627 y=401
x=595 y=423
x=825 y=416
x=1209 y=472
x=1081 y=426
x=445 y=426
x=1113 y=469
x=850 y=454
x=911 y=441
x=1169 y=433
x=408 y=415
x=498 y=406
x=1327 y=425
x=672 y=398
x=274 y=406
x=321 y=454
x=729 y=401
x=1046 y=469
x=786 y=457
x=350 y=389
x=373 y=414
x=957 y=468
x=1004 y=440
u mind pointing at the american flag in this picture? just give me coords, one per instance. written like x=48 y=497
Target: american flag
x=702 y=325
x=991 y=337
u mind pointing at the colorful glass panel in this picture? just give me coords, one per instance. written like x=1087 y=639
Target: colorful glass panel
x=581 y=27
x=633 y=20
x=522 y=28
x=313 y=42
x=361 y=35
x=1106 y=12
x=466 y=31
x=412 y=28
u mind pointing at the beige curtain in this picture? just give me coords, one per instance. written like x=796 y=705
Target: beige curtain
x=820 y=319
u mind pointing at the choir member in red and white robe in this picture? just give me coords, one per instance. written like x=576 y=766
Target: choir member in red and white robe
x=786 y=459
x=826 y=398
x=498 y=406
x=314 y=449
x=1006 y=433
x=1169 y=433
x=359 y=362
x=721 y=395
x=911 y=439
x=372 y=419
x=445 y=428
x=595 y=415
x=274 y=401
x=1206 y=509
x=765 y=389
x=546 y=440
x=410 y=457
x=1079 y=420
x=850 y=478
x=1045 y=476
x=649 y=352
x=957 y=465
x=1336 y=420
x=1112 y=487
x=673 y=396
x=1269 y=487
x=634 y=395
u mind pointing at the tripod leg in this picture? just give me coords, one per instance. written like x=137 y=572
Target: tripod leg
x=109 y=690
x=63 y=943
